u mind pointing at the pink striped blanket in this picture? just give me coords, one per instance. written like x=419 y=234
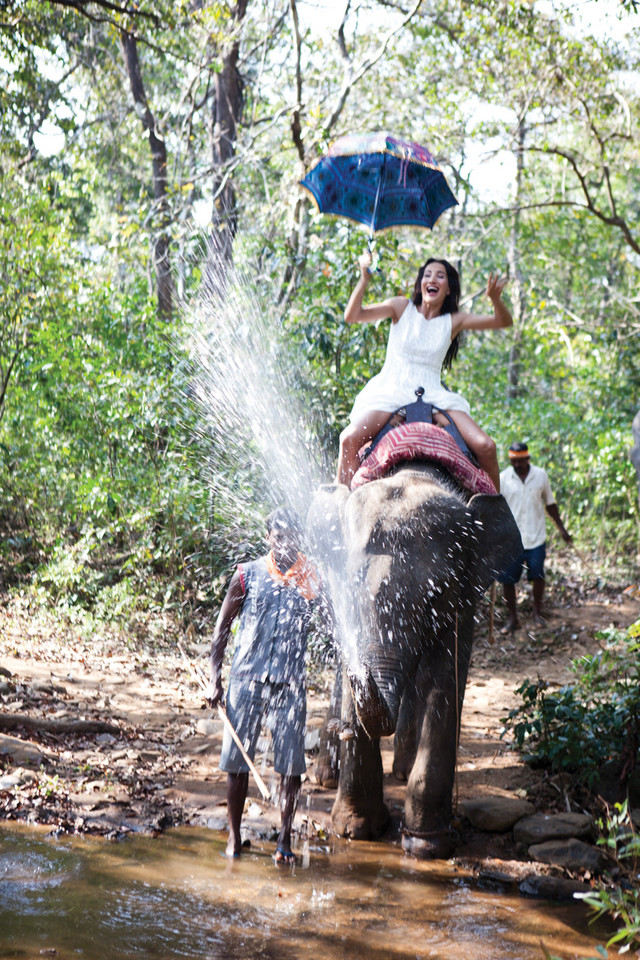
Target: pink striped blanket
x=422 y=441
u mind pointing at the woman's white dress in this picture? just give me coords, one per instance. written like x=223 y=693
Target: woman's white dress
x=415 y=351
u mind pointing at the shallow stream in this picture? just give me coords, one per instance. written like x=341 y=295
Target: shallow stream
x=177 y=896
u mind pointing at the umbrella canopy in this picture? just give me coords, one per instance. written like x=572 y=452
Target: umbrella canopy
x=381 y=181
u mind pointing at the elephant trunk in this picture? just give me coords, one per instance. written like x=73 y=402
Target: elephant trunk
x=377 y=716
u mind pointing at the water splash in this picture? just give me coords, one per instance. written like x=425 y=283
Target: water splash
x=263 y=451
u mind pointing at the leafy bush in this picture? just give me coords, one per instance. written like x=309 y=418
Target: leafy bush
x=620 y=900
x=583 y=725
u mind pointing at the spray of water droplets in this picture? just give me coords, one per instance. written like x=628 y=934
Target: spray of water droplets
x=262 y=449
x=260 y=436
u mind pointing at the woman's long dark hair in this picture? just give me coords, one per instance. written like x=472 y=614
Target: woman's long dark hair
x=450 y=305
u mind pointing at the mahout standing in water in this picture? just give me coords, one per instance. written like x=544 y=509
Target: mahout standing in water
x=274 y=598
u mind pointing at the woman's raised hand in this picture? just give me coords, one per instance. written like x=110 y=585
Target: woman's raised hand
x=495 y=286
x=364 y=261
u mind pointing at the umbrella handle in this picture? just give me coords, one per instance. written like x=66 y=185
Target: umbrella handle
x=371 y=247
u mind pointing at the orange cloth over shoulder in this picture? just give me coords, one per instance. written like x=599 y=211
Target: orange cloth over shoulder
x=302 y=575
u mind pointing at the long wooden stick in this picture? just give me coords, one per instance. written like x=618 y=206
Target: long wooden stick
x=193 y=669
x=492 y=607
x=262 y=787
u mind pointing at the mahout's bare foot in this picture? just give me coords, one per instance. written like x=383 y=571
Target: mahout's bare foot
x=234 y=847
x=284 y=854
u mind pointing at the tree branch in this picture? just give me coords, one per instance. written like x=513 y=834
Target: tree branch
x=134 y=12
x=612 y=221
x=296 y=126
x=351 y=78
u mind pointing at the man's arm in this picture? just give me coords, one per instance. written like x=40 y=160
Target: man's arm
x=231 y=606
x=552 y=510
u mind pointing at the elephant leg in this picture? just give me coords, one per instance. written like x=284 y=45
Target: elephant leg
x=359 y=810
x=428 y=804
x=405 y=742
x=327 y=765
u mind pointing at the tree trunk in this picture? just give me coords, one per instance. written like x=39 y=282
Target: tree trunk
x=160 y=220
x=634 y=453
x=515 y=274
x=227 y=106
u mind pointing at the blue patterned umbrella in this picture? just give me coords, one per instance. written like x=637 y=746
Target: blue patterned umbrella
x=381 y=181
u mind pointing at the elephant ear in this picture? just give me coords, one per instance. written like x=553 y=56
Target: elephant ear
x=499 y=541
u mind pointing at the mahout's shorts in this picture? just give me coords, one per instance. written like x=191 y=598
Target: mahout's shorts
x=534 y=561
x=282 y=707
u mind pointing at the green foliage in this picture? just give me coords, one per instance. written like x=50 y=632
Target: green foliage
x=620 y=899
x=105 y=467
x=584 y=725
x=601 y=954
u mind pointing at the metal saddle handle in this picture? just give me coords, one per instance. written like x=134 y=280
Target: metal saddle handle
x=420 y=412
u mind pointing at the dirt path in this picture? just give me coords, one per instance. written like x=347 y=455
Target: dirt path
x=160 y=767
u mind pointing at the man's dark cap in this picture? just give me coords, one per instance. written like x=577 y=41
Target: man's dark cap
x=518 y=451
x=283 y=518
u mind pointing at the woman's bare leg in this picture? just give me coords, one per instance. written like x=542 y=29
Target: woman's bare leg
x=480 y=444
x=352 y=438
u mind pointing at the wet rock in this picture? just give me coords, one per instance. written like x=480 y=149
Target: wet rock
x=495 y=814
x=208 y=728
x=552 y=888
x=555 y=826
x=572 y=854
x=312 y=740
x=496 y=880
x=216 y=823
x=38 y=687
x=10 y=781
x=22 y=752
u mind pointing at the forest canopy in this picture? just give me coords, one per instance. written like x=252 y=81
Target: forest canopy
x=150 y=206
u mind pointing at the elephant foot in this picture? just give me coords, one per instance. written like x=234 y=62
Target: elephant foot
x=368 y=825
x=435 y=845
x=325 y=771
x=371 y=708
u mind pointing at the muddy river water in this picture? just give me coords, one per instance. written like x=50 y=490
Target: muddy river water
x=177 y=896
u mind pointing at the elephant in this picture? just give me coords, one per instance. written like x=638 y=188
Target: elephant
x=406 y=558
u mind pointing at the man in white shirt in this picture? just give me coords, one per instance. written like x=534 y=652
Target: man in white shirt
x=527 y=491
